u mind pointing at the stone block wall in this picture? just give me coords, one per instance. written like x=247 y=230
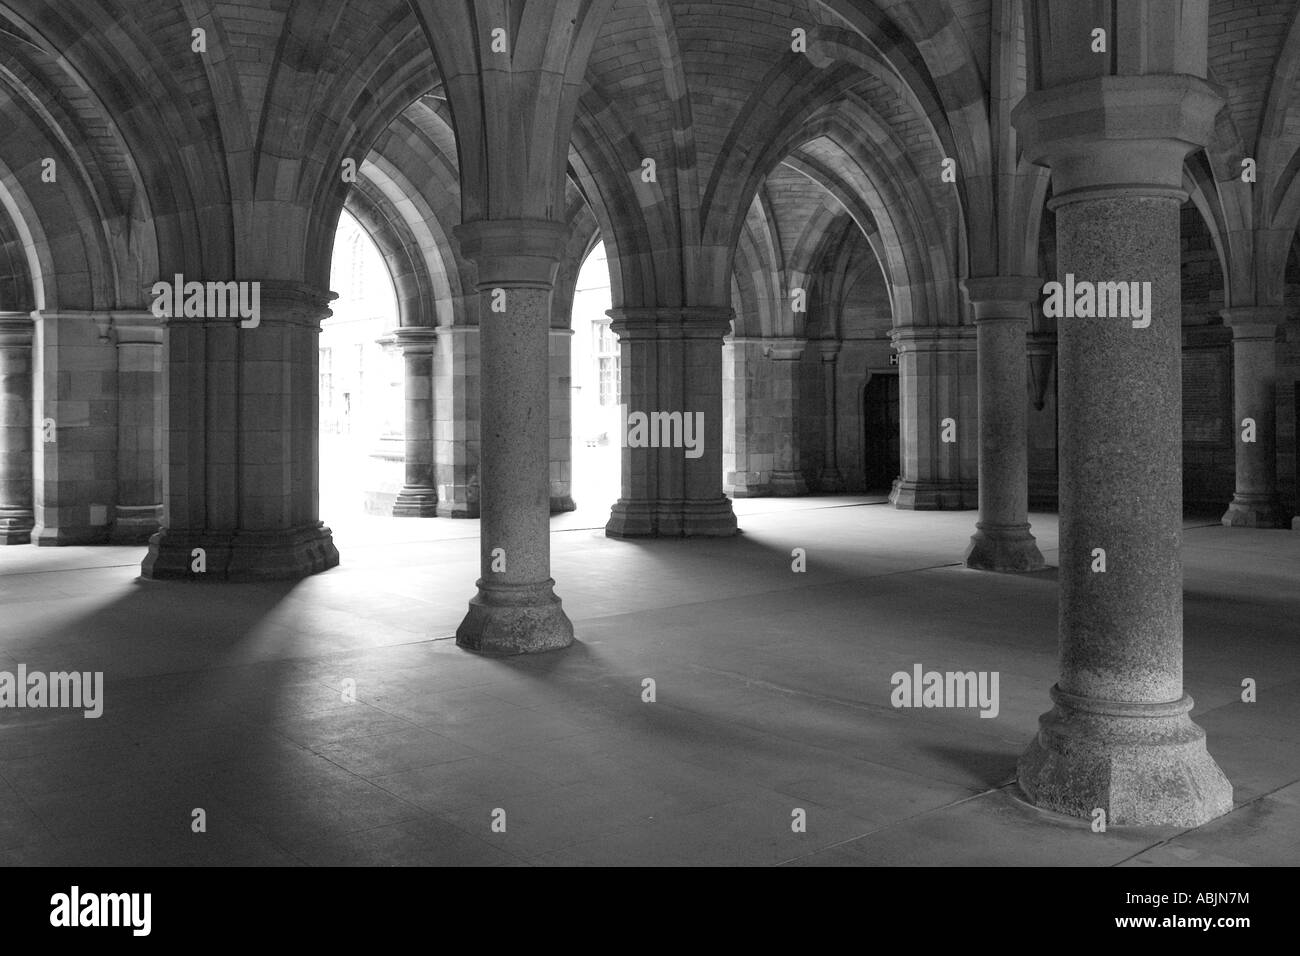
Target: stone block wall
x=767 y=397
x=75 y=475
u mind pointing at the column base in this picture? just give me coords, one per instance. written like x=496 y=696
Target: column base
x=934 y=495
x=16 y=526
x=457 y=509
x=1005 y=548
x=458 y=501
x=671 y=519
x=241 y=555
x=745 y=484
x=1144 y=764
x=831 y=480
x=788 y=484
x=525 y=619
x=68 y=535
x=1254 y=511
x=415 y=503
x=134 y=524
x=562 y=503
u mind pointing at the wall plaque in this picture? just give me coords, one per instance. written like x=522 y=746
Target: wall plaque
x=1207 y=396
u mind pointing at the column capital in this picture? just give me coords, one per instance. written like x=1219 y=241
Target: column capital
x=784 y=349
x=137 y=327
x=933 y=338
x=1117 y=134
x=52 y=318
x=829 y=349
x=70 y=315
x=673 y=322
x=285 y=302
x=513 y=253
x=274 y=302
x=1002 y=298
x=415 y=339
x=1255 y=322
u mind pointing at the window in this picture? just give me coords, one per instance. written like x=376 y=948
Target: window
x=357 y=281
x=327 y=377
x=605 y=350
x=328 y=418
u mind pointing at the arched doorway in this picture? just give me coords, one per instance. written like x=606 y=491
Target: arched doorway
x=596 y=384
x=362 y=424
x=882 y=447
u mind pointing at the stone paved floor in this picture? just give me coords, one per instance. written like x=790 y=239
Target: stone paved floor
x=772 y=694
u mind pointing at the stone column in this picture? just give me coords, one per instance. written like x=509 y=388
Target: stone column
x=138 y=512
x=242 y=408
x=830 y=477
x=936 y=372
x=1119 y=737
x=672 y=362
x=515 y=610
x=1002 y=541
x=418 y=497
x=16 y=514
x=561 y=351
x=1255 y=502
x=787 y=477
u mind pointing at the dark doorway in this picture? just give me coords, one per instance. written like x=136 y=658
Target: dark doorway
x=880 y=440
